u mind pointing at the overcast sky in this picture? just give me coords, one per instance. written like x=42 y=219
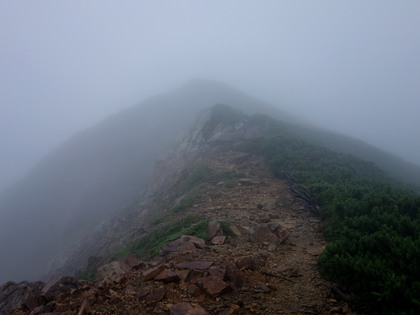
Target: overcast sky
x=353 y=66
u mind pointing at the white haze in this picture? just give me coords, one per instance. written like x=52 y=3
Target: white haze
x=352 y=66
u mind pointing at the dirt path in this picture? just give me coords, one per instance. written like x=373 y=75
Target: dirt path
x=264 y=276
x=290 y=268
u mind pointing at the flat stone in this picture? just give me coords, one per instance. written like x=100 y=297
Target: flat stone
x=156 y=295
x=314 y=251
x=248 y=262
x=168 y=275
x=180 y=244
x=187 y=248
x=218 y=240
x=214 y=285
x=235 y=231
x=183 y=274
x=263 y=234
x=152 y=273
x=132 y=261
x=195 y=264
x=213 y=229
x=185 y=308
x=198 y=242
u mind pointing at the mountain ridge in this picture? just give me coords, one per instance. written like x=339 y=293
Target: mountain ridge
x=99 y=171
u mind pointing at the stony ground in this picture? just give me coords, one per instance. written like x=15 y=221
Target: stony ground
x=265 y=262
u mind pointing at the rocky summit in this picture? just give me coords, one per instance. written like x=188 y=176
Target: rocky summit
x=250 y=246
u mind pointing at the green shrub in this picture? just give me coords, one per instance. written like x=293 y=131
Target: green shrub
x=372 y=225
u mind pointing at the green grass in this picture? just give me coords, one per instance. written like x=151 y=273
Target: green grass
x=185 y=203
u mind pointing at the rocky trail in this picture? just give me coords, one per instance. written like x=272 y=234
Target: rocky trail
x=260 y=257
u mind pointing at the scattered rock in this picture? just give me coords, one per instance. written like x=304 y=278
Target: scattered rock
x=218 y=240
x=248 y=262
x=18 y=296
x=156 y=295
x=213 y=229
x=132 y=261
x=214 y=285
x=195 y=264
x=263 y=234
x=168 y=275
x=235 y=231
x=62 y=286
x=183 y=244
x=185 y=308
x=152 y=273
x=112 y=272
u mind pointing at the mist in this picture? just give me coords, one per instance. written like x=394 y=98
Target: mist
x=348 y=66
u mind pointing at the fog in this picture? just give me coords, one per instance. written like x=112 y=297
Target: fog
x=65 y=65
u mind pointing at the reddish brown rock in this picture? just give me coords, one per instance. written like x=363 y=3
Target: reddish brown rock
x=195 y=264
x=132 y=261
x=143 y=291
x=218 y=240
x=168 y=275
x=218 y=271
x=183 y=274
x=234 y=275
x=61 y=286
x=248 y=262
x=213 y=229
x=180 y=243
x=282 y=235
x=15 y=295
x=198 y=242
x=187 y=309
x=187 y=248
x=152 y=273
x=156 y=295
x=214 y=285
x=263 y=234
x=112 y=272
x=235 y=230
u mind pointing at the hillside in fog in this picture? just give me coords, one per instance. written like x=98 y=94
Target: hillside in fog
x=105 y=168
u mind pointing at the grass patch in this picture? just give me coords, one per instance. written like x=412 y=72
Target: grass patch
x=226 y=229
x=199 y=174
x=185 y=203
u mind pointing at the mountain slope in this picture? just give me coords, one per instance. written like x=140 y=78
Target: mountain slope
x=105 y=169
x=237 y=181
x=95 y=173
